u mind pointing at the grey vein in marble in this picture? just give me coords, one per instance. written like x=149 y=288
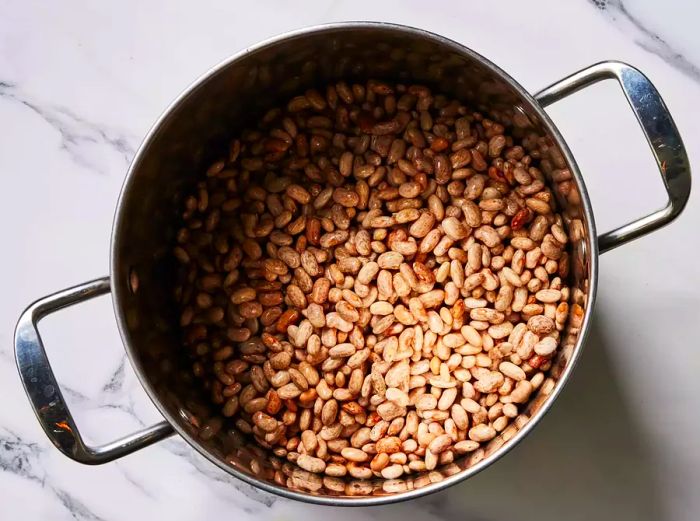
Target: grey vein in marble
x=203 y=466
x=648 y=40
x=138 y=485
x=23 y=459
x=116 y=382
x=19 y=457
x=76 y=508
x=75 y=131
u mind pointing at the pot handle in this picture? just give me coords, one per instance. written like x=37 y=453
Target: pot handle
x=659 y=129
x=44 y=394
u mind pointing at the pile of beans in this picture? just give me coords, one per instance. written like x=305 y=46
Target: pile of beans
x=373 y=281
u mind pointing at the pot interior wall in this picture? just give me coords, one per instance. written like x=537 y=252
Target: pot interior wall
x=197 y=130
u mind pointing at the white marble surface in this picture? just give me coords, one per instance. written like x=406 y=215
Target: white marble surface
x=80 y=83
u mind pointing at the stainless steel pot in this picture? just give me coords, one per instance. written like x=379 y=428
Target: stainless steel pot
x=240 y=89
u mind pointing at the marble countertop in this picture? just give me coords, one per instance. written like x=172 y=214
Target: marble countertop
x=80 y=84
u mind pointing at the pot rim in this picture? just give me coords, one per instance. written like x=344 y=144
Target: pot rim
x=591 y=245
